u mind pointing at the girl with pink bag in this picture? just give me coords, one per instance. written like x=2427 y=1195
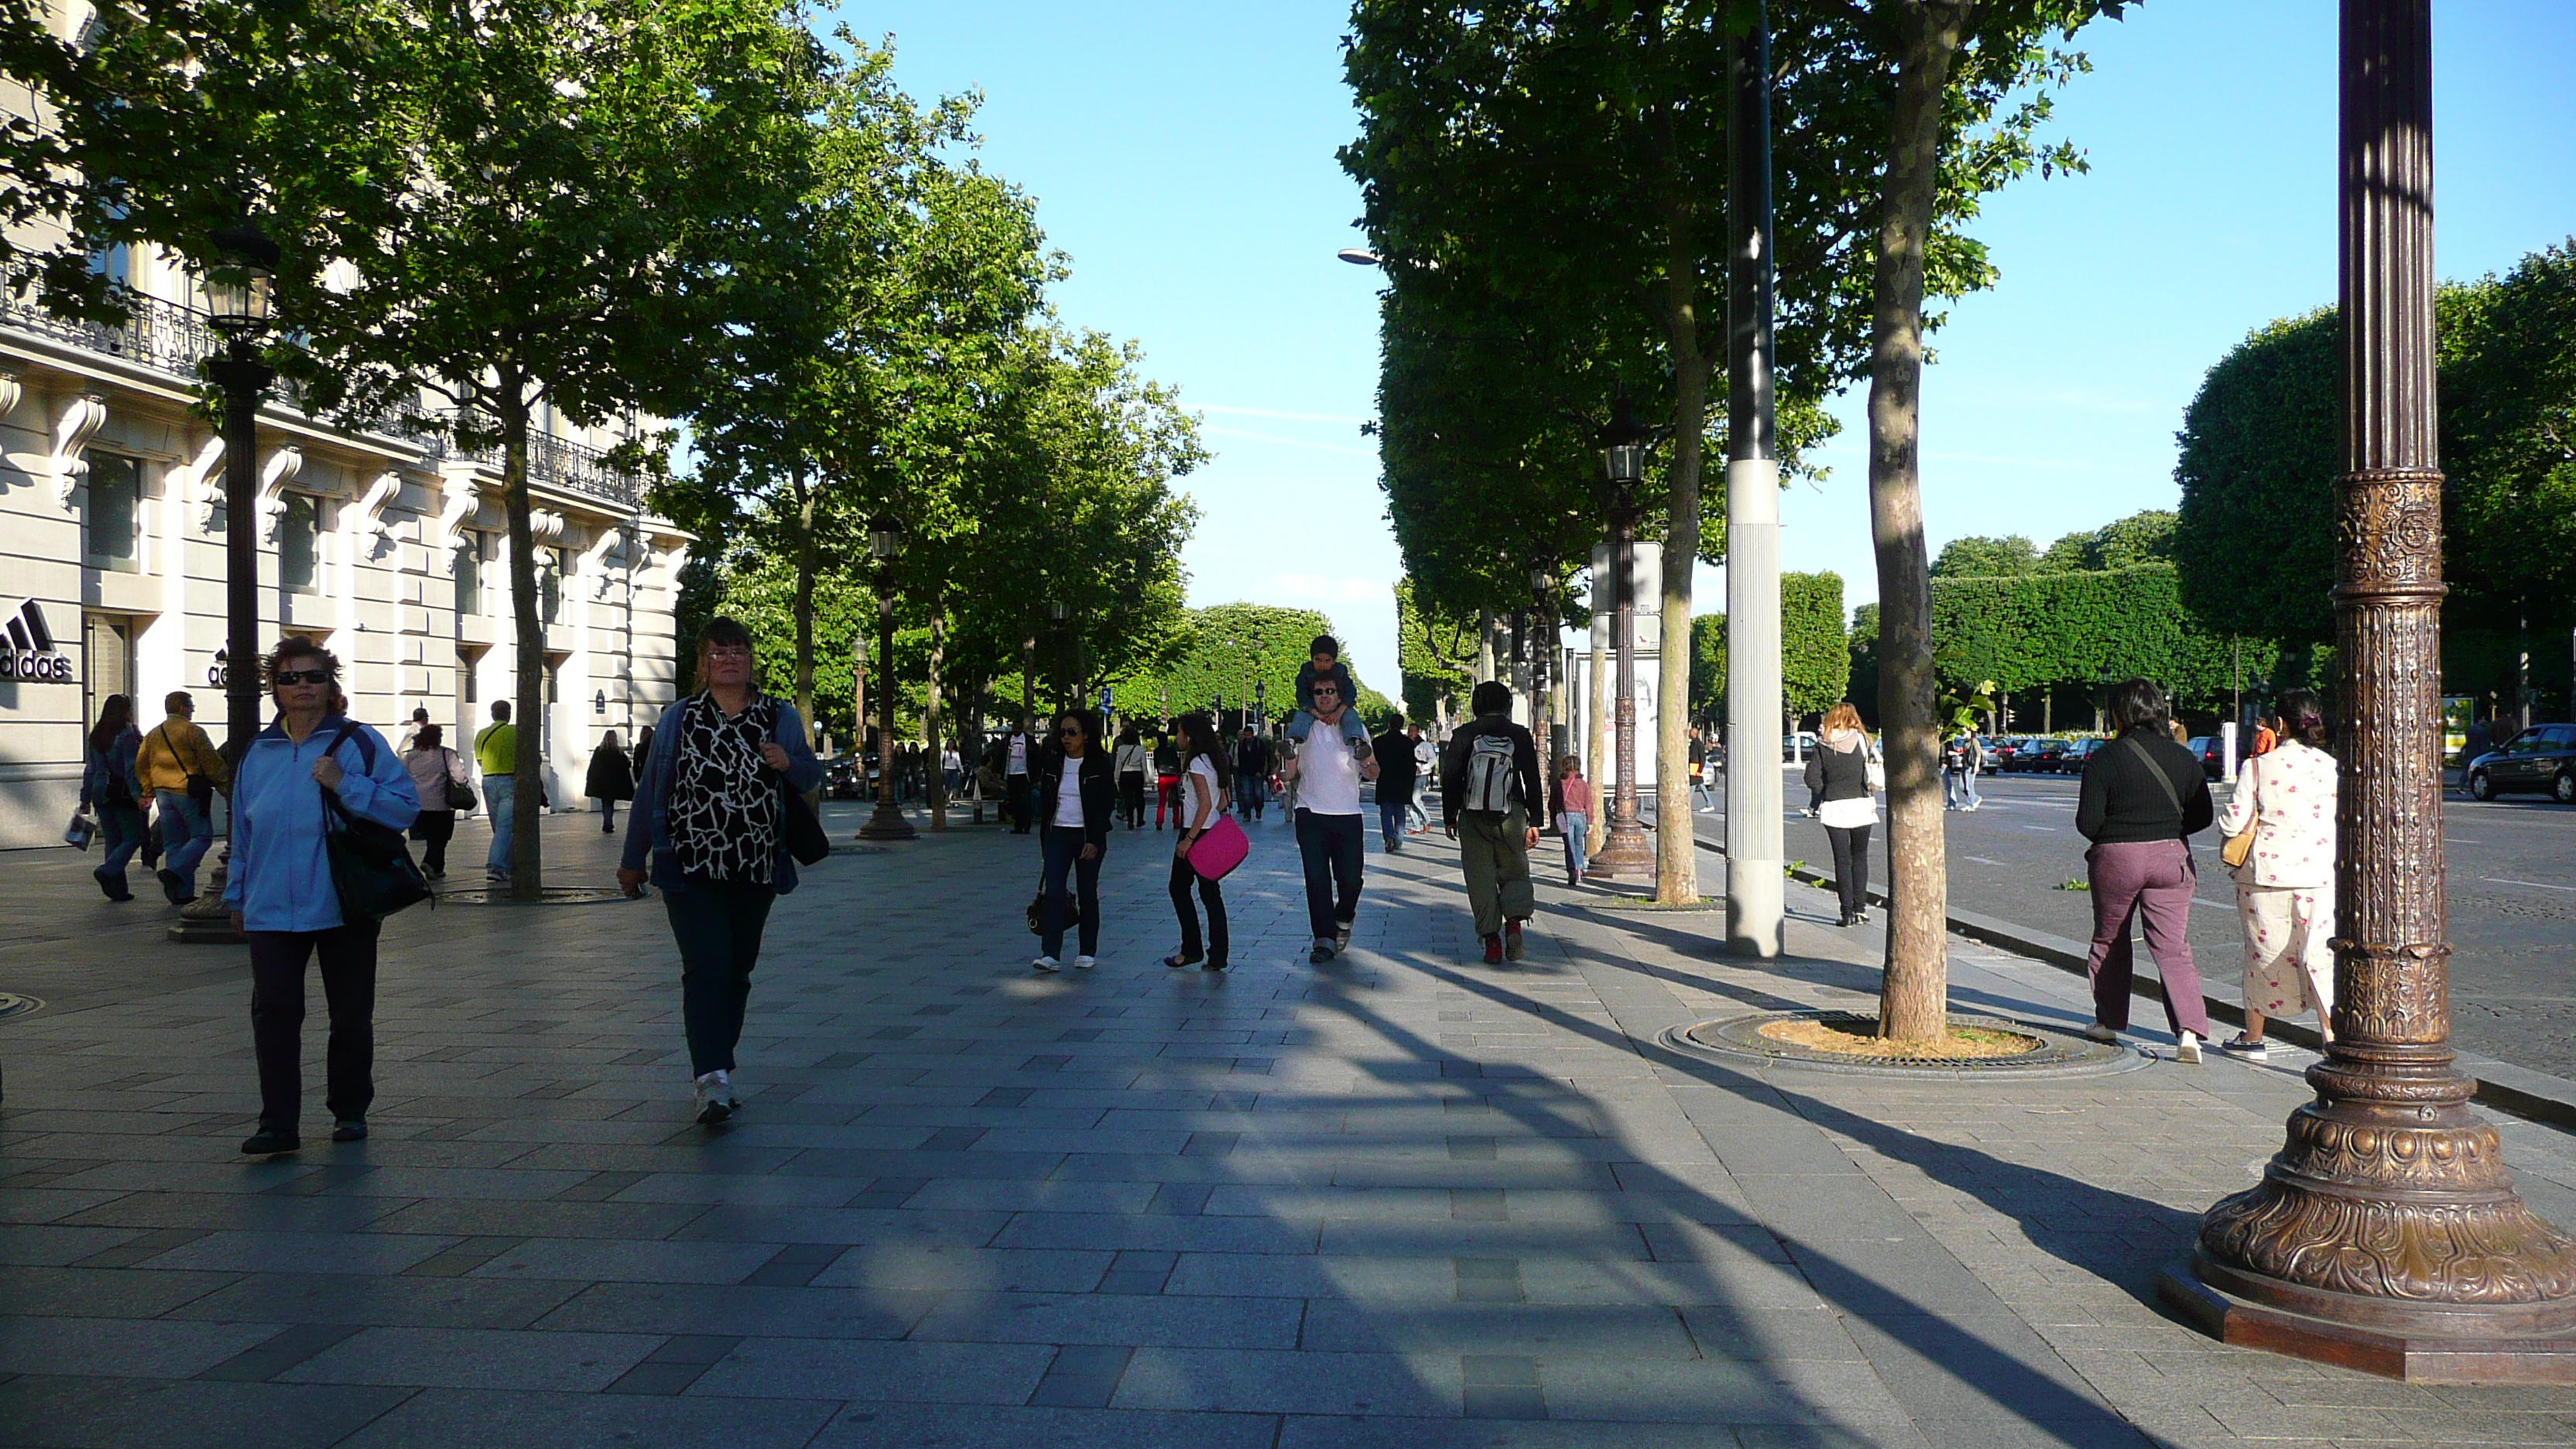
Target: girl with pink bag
x=1210 y=844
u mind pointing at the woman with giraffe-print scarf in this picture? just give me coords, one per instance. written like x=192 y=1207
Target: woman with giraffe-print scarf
x=710 y=815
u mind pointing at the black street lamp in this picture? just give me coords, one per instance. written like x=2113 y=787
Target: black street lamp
x=885 y=541
x=1625 y=854
x=238 y=295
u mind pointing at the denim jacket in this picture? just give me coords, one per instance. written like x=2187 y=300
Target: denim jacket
x=281 y=874
x=98 y=770
x=648 y=825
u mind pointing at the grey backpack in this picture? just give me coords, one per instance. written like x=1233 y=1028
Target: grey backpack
x=1492 y=782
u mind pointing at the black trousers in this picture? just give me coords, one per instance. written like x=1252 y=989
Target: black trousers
x=433 y=829
x=1851 y=866
x=1015 y=798
x=1212 y=893
x=348 y=955
x=1131 y=799
x=718 y=924
x=1060 y=847
x=1333 y=847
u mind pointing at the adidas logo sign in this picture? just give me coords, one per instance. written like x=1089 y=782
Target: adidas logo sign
x=31 y=655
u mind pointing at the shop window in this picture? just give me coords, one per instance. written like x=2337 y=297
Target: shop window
x=299 y=544
x=111 y=526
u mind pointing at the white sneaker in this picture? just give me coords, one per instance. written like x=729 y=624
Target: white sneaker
x=1046 y=964
x=734 y=1090
x=2096 y=1031
x=2187 y=1049
x=1083 y=963
x=714 y=1103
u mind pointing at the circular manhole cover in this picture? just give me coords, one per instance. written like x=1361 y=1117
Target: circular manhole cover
x=553 y=896
x=12 y=1004
x=1741 y=1041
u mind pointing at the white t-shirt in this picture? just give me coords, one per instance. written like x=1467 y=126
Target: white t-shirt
x=1019 y=764
x=1328 y=777
x=1197 y=787
x=1068 y=795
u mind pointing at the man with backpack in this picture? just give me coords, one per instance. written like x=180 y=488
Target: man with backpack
x=1489 y=785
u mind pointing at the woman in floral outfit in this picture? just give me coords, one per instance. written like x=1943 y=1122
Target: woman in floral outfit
x=2285 y=890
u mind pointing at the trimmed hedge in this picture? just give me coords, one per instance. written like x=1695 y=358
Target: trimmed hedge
x=2036 y=631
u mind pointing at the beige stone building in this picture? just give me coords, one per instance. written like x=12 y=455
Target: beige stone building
x=394 y=551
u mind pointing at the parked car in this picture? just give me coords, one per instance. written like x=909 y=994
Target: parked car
x=2541 y=760
x=2000 y=752
x=1799 y=746
x=2212 y=751
x=2036 y=756
x=2072 y=759
x=843 y=779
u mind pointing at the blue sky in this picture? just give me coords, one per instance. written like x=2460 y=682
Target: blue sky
x=1182 y=155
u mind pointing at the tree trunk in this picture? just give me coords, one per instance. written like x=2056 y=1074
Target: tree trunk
x=1914 y=993
x=804 y=499
x=938 y=781
x=527 y=773
x=1676 y=842
x=1597 y=747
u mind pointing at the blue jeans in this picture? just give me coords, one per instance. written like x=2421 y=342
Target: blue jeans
x=1302 y=723
x=498 y=791
x=1391 y=815
x=121 y=827
x=1959 y=790
x=186 y=835
x=1576 y=826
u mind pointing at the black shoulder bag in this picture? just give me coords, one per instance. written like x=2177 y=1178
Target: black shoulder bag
x=371 y=866
x=798 y=830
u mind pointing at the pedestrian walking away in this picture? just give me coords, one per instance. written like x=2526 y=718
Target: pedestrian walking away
x=1423 y=758
x=179 y=770
x=496 y=755
x=1167 y=779
x=1962 y=756
x=1132 y=759
x=298 y=777
x=1489 y=785
x=610 y=779
x=1838 y=776
x=1015 y=780
x=1325 y=776
x=438 y=778
x=2142 y=799
x=1573 y=814
x=1703 y=790
x=642 y=752
x=2285 y=875
x=709 y=828
x=1251 y=775
x=1077 y=794
x=108 y=787
x=1203 y=791
x=1395 y=780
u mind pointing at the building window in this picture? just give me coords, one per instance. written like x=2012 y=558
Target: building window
x=110 y=527
x=299 y=544
x=469 y=575
x=550 y=589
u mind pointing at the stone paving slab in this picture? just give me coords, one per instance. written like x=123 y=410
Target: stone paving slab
x=1402 y=1198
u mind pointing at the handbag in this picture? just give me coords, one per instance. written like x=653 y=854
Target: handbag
x=1037 y=906
x=1219 y=849
x=80 y=832
x=2239 y=848
x=804 y=834
x=372 y=871
x=460 y=795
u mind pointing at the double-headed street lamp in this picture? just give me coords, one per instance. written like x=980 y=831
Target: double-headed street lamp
x=1624 y=439
x=885 y=542
x=239 y=296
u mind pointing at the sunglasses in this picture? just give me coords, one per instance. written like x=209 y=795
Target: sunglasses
x=1071 y=732
x=304 y=676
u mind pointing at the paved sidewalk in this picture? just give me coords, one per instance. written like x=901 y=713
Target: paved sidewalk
x=1401 y=1199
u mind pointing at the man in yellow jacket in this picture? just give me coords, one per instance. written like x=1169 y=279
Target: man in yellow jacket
x=171 y=754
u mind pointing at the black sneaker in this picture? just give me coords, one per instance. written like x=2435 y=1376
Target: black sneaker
x=1342 y=937
x=267 y=1142
x=174 y=888
x=349 y=1129
x=2245 y=1048
x=1322 y=953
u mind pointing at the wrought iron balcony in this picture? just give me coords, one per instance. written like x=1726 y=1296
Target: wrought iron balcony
x=172 y=339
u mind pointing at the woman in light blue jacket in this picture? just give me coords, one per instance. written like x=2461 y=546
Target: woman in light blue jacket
x=282 y=899
x=710 y=828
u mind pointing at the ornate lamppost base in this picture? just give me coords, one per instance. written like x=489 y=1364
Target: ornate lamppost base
x=1628 y=855
x=204 y=921
x=888 y=824
x=2418 y=1354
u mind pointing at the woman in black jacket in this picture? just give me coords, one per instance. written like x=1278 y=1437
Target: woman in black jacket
x=611 y=779
x=1073 y=831
x=2143 y=797
x=1838 y=774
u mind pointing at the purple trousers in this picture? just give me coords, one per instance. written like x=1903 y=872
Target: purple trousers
x=2154 y=879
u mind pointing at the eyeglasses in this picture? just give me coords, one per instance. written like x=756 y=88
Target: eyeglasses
x=304 y=676
x=1071 y=732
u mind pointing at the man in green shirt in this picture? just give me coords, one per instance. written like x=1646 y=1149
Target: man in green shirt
x=496 y=754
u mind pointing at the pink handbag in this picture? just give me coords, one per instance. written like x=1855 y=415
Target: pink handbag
x=1220 y=849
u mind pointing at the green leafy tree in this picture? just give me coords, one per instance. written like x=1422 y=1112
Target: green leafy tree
x=1708 y=667
x=1986 y=558
x=1815 y=650
x=1435 y=652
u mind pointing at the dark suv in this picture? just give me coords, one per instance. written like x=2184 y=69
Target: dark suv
x=2034 y=755
x=2541 y=759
